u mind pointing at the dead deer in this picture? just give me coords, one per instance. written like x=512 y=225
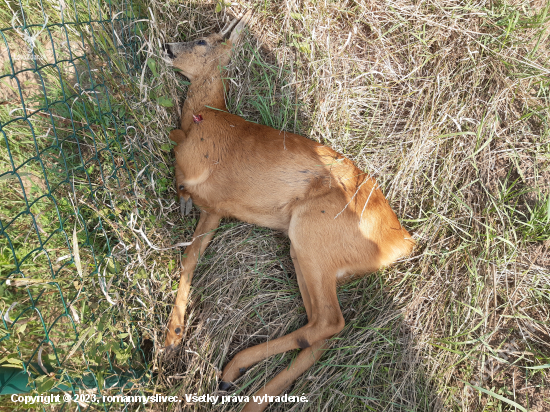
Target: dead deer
x=338 y=221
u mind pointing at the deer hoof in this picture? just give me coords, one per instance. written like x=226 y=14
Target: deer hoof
x=170 y=351
x=188 y=206
x=182 y=206
x=185 y=206
x=225 y=386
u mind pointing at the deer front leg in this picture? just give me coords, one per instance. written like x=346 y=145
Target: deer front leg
x=204 y=232
x=178 y=136
x=186 y=204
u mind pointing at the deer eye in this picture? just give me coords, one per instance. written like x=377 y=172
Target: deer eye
x=201 y=43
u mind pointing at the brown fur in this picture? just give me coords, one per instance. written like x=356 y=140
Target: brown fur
x=335 y=215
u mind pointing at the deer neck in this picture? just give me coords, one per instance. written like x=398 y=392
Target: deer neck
x=204 y=91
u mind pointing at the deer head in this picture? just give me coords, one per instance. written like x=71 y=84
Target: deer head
x=204 y=56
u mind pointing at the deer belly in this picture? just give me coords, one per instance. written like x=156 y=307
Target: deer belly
x=272 y=218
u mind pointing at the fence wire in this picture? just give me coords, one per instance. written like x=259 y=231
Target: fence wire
x=67 y=173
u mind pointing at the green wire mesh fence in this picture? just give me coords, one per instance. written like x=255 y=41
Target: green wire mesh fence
x=67 y=173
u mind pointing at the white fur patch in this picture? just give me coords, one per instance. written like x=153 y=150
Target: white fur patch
x=197 y=180
x=341 y=273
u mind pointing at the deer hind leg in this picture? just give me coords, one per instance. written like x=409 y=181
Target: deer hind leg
x=204 y=233
x=301 y=282
x=305 y=359
x=324 y=321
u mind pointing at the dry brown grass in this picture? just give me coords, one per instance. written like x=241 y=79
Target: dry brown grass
x=447 y=103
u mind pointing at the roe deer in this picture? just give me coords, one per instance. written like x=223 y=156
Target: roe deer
x=338 y=221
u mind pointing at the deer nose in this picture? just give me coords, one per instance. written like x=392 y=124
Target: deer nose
x=167 y=49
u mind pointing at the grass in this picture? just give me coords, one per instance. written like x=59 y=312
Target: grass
x=446 y=103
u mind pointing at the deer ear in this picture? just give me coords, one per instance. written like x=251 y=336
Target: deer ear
x=238 y=31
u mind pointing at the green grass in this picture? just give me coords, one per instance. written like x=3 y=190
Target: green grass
x=69 y=158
